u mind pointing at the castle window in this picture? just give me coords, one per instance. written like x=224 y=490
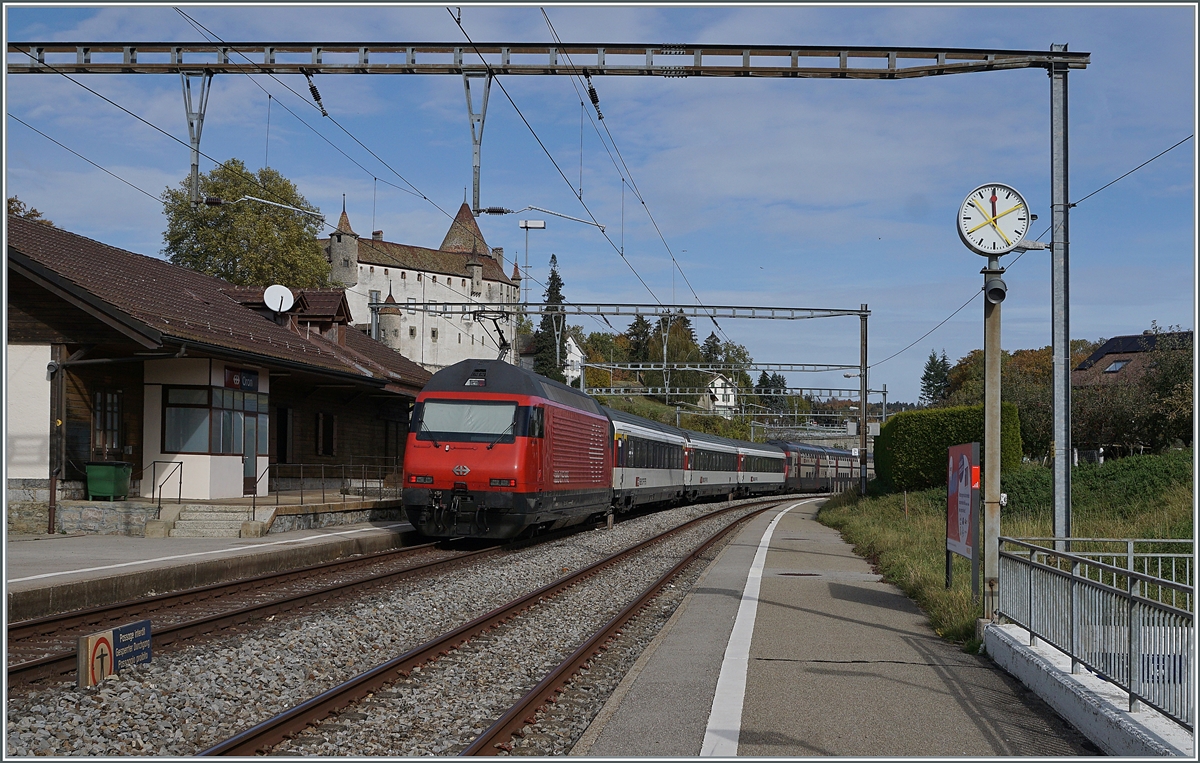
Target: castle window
x=372 y=269
x=339 y=238
x=403 y=275
x=464 y=283
x=418 y=276
x=346 y=263
x=460 y=338
x=412 y=332
x=385 y=271
x=433 y=334
x=435 y=279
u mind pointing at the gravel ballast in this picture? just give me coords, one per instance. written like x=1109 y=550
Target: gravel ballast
x=188 y=700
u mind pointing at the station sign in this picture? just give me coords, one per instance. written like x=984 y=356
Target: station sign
x=962 y=499
x=102 y=654
x=241 y=378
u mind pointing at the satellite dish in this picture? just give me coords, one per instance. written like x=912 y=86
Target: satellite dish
x=279 y=298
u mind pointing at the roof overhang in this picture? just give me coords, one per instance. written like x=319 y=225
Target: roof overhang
x=75 y=295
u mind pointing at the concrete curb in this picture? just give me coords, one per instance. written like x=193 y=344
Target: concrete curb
x=1090 y=704
x=83 y=594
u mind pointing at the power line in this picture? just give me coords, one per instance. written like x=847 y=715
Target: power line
x=551 y=157
x=627 y=173
x=89 y=161
x=1039 y=238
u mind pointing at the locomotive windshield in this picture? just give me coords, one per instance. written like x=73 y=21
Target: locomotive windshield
x=465 y=420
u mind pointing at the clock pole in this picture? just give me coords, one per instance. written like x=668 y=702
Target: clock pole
x=994 y=292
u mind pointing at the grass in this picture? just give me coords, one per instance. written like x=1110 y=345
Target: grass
x=908 y=549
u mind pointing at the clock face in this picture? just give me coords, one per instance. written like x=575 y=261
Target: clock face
x=993 y=219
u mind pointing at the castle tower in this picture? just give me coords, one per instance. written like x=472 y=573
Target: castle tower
x=389 y=322
x=464 y=236
x=343 y=252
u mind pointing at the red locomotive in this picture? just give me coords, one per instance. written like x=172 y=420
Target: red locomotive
x=494 y=449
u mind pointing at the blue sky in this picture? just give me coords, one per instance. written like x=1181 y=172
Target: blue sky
x=808 y=193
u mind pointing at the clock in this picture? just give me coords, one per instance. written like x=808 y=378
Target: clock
x=993 y=219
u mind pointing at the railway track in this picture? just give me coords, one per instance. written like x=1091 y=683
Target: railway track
x=335 y=701
x=45 y=648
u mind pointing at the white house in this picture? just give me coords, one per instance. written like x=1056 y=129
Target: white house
x=721 y=397
x=462 y=270
x=574 y=365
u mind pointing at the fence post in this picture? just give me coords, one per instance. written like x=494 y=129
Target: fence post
x=322 y=483
x=1135 y=646
x=301 y=484
x=1032 y=637
x=1074 y=617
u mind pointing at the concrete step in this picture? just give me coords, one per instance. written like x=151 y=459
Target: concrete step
x=201 y=524
x=223 y=532
x=215 y=516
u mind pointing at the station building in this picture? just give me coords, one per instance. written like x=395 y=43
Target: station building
x=463 y=269
x=116 y=356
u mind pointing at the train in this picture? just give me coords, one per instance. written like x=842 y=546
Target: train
x=496 y=451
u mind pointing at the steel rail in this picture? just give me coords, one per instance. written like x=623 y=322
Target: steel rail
x=497 y=736
x=64 y=663
x=283 y=726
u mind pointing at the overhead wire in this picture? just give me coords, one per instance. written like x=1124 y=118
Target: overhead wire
x=89 y=161
x=626 y=173
x=550 y=156
x=1039 y=238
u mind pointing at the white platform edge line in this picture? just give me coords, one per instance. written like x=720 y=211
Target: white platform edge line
x=203 y=553
x=725 y=719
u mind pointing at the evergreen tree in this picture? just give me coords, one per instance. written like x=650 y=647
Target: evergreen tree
x=935 y=380
x=549 y=341
x=639 y=339
x=711 y=349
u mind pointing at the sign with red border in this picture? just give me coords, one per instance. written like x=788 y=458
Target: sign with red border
x=99 y=655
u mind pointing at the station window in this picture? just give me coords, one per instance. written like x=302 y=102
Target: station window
x=214 y=420
x=106 y=424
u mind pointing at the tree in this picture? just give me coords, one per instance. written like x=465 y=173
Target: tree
x=639 y=339
x=549 y=341
x=18 y=208
x=247 y=243
x=711 y=349
x=935 y=381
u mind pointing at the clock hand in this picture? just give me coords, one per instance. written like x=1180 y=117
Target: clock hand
x=993 y=200
x=992 y=220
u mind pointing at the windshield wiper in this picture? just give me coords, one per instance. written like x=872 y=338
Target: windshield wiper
x=430 y=431
x=492 y=444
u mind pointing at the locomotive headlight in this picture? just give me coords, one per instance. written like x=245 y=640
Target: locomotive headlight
x=420 y=479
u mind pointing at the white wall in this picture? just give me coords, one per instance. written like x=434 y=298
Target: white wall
x=27 y=419
x=204 y=476
x=457 y=340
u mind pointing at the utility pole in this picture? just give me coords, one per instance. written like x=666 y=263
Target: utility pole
x=1061 y=296
x=862 y=401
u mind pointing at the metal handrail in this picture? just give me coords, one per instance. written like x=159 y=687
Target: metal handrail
x=376 y=472
x=1122 y=633
x=155 y=485
x=254 y=495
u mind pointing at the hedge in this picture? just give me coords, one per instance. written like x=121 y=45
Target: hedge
x=910 y=451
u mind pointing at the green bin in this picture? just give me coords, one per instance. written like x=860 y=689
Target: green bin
x=109 y=479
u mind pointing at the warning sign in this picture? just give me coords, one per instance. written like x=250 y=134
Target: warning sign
x=102 y=654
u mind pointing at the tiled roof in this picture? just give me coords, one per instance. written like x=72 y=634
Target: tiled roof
x=325 y=303
x=183 y=305
x=389 y=255
x=344 y=224
x=464 y=236
x=1129 y=344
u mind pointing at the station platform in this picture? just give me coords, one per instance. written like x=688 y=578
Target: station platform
x=45 y=574
x=790 y=645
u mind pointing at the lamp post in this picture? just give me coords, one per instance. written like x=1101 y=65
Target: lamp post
x=535 y=225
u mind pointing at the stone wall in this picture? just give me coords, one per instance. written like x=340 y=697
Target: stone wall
x=104 y=517
x=288 y=522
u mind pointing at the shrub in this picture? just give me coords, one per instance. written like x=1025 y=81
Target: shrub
x=1117 y=486
x=910 y=451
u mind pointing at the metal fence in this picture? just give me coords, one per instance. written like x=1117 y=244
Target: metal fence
x=1128 y=626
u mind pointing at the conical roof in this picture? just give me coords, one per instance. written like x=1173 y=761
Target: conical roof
x=516 y=276
x=343 y=225
x=464 y=236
